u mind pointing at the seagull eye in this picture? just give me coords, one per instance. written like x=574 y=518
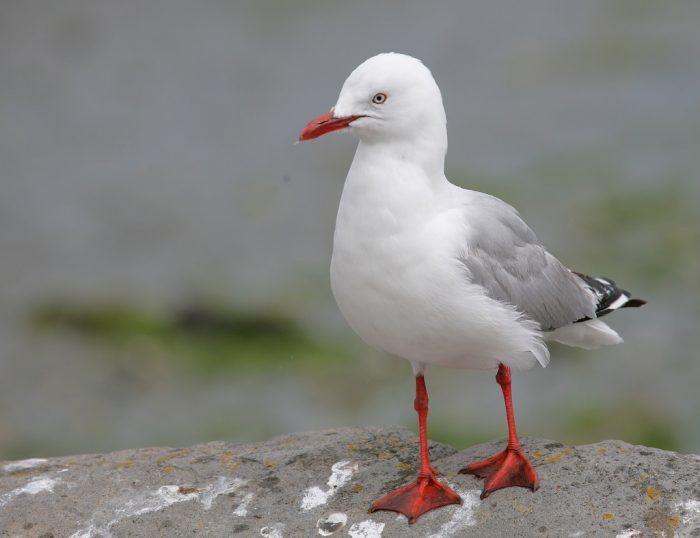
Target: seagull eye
x=379 y=98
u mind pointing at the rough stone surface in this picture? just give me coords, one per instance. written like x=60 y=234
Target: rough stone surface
x=321 y=484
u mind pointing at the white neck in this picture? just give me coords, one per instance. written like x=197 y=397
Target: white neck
x=389 y=186
x=425 y=149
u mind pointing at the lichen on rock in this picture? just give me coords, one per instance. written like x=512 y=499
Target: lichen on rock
x=322 y=483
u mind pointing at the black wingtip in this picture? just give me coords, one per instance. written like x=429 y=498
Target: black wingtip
x=608 y=295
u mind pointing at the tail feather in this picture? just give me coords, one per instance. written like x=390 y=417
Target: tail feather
x=589 y=334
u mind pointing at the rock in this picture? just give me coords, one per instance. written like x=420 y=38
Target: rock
x=322 y=483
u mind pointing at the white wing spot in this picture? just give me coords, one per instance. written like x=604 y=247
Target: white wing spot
x=617 y=303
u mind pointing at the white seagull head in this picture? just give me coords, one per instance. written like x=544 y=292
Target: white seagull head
x=390 y=97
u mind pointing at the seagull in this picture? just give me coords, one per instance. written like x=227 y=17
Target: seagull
x=441 y=275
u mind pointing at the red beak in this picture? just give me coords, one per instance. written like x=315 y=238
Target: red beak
x=324 y=124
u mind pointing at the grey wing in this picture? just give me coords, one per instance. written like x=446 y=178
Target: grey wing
x=503 y=255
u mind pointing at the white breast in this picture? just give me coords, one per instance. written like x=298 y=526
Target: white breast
x=397 y=280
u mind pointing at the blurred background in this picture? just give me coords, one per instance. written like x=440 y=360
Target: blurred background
x=164 y=245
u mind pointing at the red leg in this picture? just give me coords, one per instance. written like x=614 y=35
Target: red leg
x=426 y=493
x=510 y=467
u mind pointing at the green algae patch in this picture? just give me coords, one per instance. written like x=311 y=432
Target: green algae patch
x=196 y=337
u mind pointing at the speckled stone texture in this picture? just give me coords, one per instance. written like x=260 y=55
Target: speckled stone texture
x=322 y=483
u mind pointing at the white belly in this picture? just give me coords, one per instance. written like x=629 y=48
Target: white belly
x=380 y=288
x=403 y=294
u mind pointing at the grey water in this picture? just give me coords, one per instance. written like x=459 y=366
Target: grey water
x=147 y=153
